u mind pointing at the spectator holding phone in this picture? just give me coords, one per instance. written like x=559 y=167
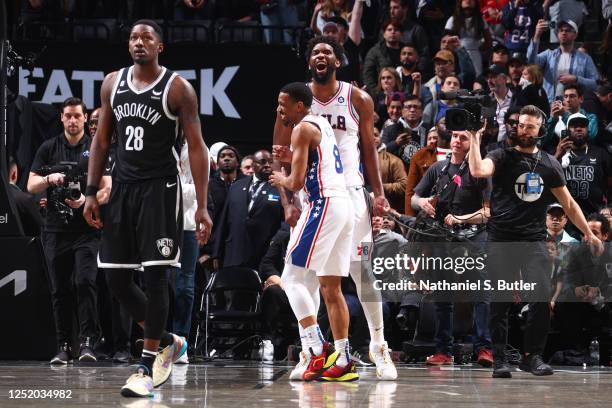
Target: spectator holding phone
x=564 y=65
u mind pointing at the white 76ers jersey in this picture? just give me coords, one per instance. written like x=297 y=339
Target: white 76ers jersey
x=324 y=177
x=344 y=121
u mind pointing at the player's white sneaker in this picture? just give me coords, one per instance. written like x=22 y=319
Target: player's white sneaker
x=302 y=365
x=138 y=385
x=162 y=367
x=381 y=356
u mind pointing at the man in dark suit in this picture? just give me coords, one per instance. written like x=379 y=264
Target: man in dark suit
x=251 y=216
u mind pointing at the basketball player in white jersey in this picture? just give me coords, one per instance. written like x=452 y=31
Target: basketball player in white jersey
x=319 y=244
x=350 y=111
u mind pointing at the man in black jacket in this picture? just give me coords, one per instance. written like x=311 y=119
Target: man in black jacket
x=28 y=209
x=251 y=216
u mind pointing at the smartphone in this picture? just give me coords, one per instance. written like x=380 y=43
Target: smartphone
x=559 y=98
x=564 y=134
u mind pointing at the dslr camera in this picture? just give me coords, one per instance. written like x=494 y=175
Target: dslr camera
x=70 y=189
x=475 y=109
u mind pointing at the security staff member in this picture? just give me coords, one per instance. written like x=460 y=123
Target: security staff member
x=71 y=246
x=455 y=198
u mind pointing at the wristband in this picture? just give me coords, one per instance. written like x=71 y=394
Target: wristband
x=91 y=191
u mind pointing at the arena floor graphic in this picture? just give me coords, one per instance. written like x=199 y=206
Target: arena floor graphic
x=246 y=384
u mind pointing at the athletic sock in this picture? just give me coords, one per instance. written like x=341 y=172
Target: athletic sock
x=147 y=359
x=377 y=335
x=303 y=338
x=342 y=347
x=314 y=339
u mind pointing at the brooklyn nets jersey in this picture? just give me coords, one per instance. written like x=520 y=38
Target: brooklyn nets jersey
x=343 y=118
x=146 y=130
x=325 y=176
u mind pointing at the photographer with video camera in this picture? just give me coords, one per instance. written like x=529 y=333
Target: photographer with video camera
x=71 y=246
x=525 y=180
x=449 y=194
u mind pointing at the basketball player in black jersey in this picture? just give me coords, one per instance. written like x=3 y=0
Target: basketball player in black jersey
x=146 y=105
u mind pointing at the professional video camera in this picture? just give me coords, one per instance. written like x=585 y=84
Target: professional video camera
x=70 y=188
x=476 y=108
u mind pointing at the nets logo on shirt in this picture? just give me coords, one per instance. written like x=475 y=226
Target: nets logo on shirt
x=164 y=246
x=520 y=188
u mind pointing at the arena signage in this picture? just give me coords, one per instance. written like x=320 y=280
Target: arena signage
x=237 y=84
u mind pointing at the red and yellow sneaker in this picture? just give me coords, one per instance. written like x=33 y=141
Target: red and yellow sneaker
x=336 y=373
x=318 y=364
x=439 y=359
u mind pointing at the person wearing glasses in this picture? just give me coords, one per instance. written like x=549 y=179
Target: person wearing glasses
x=560 y=112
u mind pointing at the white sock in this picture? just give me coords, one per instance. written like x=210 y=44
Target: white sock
x=303 y=339
x=371 y=302
x=342 y=347
x=314 y=339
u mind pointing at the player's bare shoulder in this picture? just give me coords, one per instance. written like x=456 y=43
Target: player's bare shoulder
x=362 y=101
x=182 y=98
x=107 y=85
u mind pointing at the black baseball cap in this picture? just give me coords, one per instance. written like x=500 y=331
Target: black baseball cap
x=496 y=69
x=517 y=57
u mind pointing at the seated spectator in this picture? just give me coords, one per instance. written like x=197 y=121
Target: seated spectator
x=436 y=109
x=473 y=31
x=409 y=129
x=392 y=174
x=386 y=53
x=587 y=167
x=412 y=32
x=599 y=103
x=388 y=85
x=564 y=65
x=463 y=65
x=560 y=113
x=530 y=91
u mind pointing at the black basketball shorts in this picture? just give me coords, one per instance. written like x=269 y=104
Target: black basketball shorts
x=143 y=224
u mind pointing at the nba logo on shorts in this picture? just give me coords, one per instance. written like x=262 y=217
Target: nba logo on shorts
x=164 y=245
x=364 y=252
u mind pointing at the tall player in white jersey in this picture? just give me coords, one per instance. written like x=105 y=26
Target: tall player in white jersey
x=350 y=112
x=319 y=244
